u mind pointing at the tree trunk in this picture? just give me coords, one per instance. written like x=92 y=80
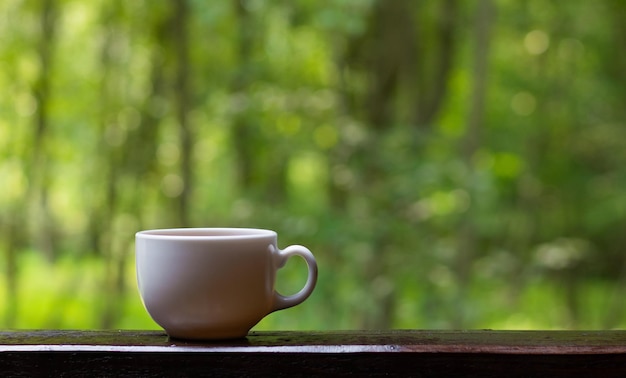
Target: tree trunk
x=242 y=135
x=432 y=88
x=13 y=235
x=617 y=70
x=467 y=240
x=39 y=177
x=384 y=56
x=110 y=161
x=180 y=21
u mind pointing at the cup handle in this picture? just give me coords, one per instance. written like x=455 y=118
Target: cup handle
x=282 y=255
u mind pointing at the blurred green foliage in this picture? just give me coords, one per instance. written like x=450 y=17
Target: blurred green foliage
x=451 y=164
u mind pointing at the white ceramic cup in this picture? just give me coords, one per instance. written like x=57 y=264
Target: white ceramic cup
x=214 y=283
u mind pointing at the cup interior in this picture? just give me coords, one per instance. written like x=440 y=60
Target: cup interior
x=205 y=233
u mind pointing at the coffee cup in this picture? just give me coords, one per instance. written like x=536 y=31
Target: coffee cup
x=214 y=283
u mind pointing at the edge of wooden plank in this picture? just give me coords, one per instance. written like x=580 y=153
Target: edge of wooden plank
x=326 y=342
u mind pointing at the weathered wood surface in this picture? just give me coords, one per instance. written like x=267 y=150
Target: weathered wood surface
x=357 y=353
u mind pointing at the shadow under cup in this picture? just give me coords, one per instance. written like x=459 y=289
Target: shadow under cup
x=214 y=283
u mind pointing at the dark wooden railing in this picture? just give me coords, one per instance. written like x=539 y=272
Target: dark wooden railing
x=481 y=353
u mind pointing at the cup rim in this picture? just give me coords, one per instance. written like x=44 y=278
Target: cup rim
x=205 y=233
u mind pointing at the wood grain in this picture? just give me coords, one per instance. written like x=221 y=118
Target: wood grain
x=338 y=353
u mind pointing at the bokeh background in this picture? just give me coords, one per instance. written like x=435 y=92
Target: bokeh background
x=452 y=164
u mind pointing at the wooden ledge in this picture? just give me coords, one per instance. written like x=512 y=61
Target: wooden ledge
x=402 y=352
